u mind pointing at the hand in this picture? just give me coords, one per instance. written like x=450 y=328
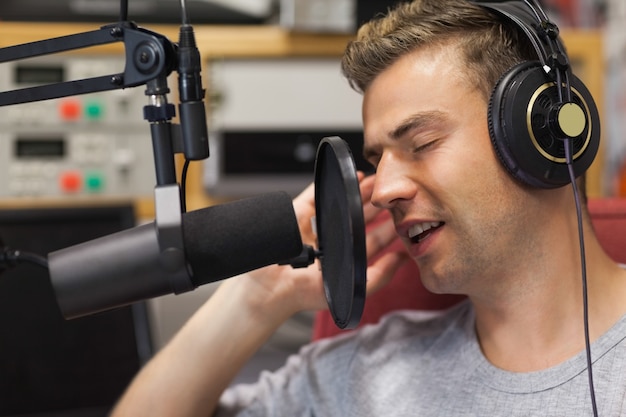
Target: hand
x=302 y=289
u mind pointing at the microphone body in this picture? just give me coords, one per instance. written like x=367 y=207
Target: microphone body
x=220 y=242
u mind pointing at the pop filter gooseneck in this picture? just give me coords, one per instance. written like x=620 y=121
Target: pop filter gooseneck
x=340 y=231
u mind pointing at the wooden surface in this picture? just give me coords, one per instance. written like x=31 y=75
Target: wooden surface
x=213 y=41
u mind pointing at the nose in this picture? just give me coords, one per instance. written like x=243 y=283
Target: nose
x=393 y=183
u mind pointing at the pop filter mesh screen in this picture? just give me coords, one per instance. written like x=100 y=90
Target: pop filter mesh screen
x=341 y=232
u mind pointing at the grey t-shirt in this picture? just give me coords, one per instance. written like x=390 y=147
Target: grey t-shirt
x=430 y=364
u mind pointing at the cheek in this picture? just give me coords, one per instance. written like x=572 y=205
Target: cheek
x=471 y=179
x=470 y=168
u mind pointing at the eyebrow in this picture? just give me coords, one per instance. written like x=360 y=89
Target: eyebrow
x=419 y=121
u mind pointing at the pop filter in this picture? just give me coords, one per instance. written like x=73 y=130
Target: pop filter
x=340 y=231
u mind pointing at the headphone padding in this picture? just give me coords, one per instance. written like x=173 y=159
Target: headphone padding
x=516 y=140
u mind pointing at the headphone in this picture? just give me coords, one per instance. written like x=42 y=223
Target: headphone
x=537 y=105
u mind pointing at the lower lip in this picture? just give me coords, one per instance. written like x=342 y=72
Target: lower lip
x=417 y=250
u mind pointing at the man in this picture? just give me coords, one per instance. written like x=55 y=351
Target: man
x=516 y=347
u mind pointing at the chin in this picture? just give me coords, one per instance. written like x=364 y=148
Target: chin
x=440 y=283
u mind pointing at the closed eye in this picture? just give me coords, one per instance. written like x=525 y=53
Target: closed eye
x=425 y=146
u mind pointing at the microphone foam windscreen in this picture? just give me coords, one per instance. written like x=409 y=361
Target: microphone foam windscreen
x=233 y=238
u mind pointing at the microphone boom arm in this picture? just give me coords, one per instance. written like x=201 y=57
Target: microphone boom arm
x=148 y=55
x=150 y=58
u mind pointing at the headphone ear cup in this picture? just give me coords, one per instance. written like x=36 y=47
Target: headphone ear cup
x=521 y=117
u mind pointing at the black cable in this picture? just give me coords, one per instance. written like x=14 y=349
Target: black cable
x=537 y=11
x=189 y=63
x=123 y=10
x=183 y=186
x=32 y=258
x=570 y=166
x=183 y=12
x=559 y=83
x=10 y=258
x=568 y=89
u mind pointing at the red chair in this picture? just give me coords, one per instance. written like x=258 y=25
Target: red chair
x=406 y=291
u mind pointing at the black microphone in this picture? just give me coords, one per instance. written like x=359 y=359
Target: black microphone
x=220 y=242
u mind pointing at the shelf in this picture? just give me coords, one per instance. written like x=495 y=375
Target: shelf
x=213 y=41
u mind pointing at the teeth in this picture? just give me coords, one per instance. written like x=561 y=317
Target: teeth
x=417 y=229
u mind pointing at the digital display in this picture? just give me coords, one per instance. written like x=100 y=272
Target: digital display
x=40 y=148
x=38 y=74
x=283 y=152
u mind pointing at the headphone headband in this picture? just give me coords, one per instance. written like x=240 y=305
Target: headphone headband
x=528 y=20
x=528 y=16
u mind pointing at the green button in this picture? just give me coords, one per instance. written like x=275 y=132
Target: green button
x=94 y=181
x=93 y=110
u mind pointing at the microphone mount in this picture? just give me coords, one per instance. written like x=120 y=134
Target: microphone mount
x=148 y=55
x=149 y=59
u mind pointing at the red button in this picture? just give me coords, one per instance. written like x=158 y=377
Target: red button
x=70 y=109
x=70 y=181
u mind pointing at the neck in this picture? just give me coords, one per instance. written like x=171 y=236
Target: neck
x=537 y=322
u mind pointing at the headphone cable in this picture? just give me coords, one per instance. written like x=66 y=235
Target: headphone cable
x=569 y=156
x=539 y=13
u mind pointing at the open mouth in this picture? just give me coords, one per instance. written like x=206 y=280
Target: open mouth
x=421 y=231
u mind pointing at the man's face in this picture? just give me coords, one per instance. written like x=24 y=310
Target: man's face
x=456 y=209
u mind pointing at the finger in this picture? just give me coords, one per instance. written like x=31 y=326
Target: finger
x=370 y=212
x=366 y=186
x=383 y=270
x=306 y=199
x=380 y=237
x=304 y=206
